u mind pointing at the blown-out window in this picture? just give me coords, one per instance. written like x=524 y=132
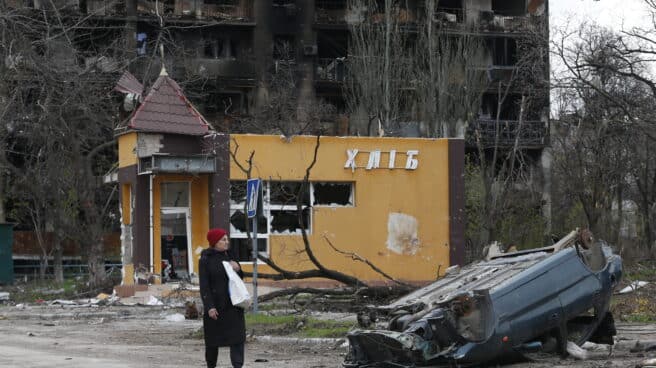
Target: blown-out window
x=280 y=211
x=279 y=215
x=332 y=194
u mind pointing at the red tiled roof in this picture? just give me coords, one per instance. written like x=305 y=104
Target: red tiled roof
x=167 y=110
x=129 y=84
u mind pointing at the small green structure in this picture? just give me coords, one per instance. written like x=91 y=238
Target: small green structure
x=6 y=254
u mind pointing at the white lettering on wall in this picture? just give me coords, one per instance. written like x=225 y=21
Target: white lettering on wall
x=373 y=162
x=412 y=162
x=392 y=158
x=350 y=162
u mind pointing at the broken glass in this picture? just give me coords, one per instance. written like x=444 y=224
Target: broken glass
x=237 y=192
x=286 y=221
x=333 y=194
x=244 y=250
x=284 y=193
x=238 y=223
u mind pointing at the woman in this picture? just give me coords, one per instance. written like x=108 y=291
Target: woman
x=223 y=323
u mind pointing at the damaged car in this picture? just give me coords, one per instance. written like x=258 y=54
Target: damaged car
x=513 y=304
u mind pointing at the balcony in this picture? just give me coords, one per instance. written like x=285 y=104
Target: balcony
x=491 y=22
x=533 y=134
x=330 y=70
x=335 y=14
x=330 y=12
x=223 y=68
x=228 y=10
x=105 y=8
x=449 y=16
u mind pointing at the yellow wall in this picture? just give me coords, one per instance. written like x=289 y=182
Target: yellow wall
x=127 y=149
x=422 y=193
x=199 y=216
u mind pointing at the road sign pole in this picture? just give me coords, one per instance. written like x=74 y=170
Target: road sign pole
x=253 y=210
x=254 y=240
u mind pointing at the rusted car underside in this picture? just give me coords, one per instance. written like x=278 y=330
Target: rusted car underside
x=511 y=304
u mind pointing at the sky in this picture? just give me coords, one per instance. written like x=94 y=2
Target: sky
x=612 y=13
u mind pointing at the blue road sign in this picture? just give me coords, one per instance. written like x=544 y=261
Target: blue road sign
x=252 y=194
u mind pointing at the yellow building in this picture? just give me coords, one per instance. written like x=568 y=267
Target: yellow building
x=389 y=200
x=395 y=202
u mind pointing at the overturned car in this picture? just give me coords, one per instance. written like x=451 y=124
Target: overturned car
x=523 y=303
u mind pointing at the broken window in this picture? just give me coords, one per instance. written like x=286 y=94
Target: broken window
x=237 y=193
x=332 y=194
x=222 y=2
x=239 y=223
x=285 y=193
x=283 y=48
x=282 y=205
x=279 y=211
x=509 y=7
x=504 y=51
x=330 y=4
x=221 y=49
x=286 y=221
x=243 y=248
x=449 y=11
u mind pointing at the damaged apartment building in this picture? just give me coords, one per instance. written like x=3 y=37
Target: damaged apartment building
x=223 y=54
x=224 y=51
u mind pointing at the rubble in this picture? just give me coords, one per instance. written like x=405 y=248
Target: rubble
x=647 y=363
x=177 y=317
x=545 y=300
x=632 y=287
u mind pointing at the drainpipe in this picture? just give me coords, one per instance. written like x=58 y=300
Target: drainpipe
x=150 y=190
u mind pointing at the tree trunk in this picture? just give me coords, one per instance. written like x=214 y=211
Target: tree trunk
x=387 y=61
x=43 y=265
x=96 y=263
x=58 y=253
x=620 y=216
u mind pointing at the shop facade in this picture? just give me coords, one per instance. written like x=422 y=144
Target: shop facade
x=396 y=202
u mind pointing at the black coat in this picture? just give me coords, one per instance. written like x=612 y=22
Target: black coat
x=229 y=328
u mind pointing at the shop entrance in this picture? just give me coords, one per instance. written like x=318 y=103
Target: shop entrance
x=176 y=245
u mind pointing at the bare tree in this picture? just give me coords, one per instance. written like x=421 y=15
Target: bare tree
x=506 y=173
x=450 y=76
x=379 y=66
x=607 y=86
x=58 y=121
x=282 y=110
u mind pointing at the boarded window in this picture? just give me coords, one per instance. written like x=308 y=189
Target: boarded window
x=333 y=194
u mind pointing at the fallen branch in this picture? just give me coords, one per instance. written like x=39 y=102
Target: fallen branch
x=357 y=257
x=300 y=290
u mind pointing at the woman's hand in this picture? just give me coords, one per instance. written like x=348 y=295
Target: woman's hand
x=235 y=266
x=213 y=313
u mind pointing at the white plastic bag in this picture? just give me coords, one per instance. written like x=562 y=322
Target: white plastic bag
x=239 y=295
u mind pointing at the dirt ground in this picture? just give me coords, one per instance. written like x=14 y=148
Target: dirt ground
x=138 y=336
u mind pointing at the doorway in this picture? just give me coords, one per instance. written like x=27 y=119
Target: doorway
x=175 y=244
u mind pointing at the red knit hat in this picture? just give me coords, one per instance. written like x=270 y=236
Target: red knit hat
x=214 y=235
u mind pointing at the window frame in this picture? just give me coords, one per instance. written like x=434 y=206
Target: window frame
x=268 y=208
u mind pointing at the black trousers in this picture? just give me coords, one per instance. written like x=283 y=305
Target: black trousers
x=236 y=355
